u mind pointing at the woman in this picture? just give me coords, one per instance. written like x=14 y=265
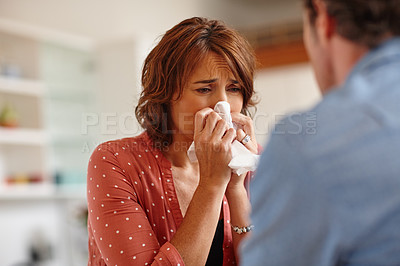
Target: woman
x=148 y=203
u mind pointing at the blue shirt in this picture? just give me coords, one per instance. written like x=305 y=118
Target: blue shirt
x=327 y=190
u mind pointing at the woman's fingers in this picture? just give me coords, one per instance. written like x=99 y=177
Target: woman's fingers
x=250 y=144
x=220 y=129
x=246 y=127
x=211 y=121
x=213 y=147
x=244 y=122
x=230 y=135
x=240 y=134
x=209 y=124
x=200 y=119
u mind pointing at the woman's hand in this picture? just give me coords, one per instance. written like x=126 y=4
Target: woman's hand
x=213 y=139
x=245 y=127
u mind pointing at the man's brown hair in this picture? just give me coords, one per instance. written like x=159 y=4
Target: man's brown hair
x=168 y=66
x=366 y=22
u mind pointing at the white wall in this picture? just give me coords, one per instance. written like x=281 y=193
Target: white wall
x=283 y=90
x=107 y=20
x=119 y=65
x=101 y=19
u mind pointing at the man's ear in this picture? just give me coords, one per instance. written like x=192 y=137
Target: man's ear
x=325 y=24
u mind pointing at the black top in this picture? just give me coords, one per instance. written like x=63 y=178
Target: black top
x=215 y=257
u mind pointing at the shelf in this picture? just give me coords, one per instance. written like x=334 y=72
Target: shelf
x=22 y=136
x=21 y=86
x=46 y=35
x=43 y=192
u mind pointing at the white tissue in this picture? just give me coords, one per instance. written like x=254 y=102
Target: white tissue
x=242 y=159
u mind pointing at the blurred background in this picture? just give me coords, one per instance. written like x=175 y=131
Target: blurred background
x=70 y=79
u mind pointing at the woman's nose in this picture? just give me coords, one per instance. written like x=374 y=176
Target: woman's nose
x=220 y=96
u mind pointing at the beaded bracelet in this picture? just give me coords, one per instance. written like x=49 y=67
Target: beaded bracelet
x=241 y=230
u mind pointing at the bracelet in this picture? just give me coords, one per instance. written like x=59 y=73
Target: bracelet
x=241 y=230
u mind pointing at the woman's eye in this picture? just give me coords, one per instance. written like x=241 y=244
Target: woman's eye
x=203 y=90
x=235 y=89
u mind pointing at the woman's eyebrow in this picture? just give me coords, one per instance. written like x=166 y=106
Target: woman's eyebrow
x=208 y=81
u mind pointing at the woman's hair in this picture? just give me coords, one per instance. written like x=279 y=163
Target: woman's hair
x=167 y=69
x=366 y=22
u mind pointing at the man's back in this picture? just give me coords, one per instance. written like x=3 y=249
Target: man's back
x=330 y=194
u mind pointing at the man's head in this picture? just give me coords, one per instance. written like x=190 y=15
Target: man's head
x=333 y=26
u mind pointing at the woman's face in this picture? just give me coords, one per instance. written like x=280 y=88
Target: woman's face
x=211 y=81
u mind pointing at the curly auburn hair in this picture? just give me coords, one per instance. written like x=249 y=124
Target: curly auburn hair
x=366 y=22
x=168 y=66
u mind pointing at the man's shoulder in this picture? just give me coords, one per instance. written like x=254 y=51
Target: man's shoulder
x=317 y=122
x=330 y=125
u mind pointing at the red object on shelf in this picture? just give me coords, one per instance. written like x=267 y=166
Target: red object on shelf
x=13 y=124
x=24 y=179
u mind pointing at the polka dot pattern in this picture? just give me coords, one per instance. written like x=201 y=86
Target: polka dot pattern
x=134 y=211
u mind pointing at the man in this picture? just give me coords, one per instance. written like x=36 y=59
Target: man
x=330 y=194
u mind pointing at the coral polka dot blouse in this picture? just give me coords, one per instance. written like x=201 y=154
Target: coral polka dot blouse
x=133 y=207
